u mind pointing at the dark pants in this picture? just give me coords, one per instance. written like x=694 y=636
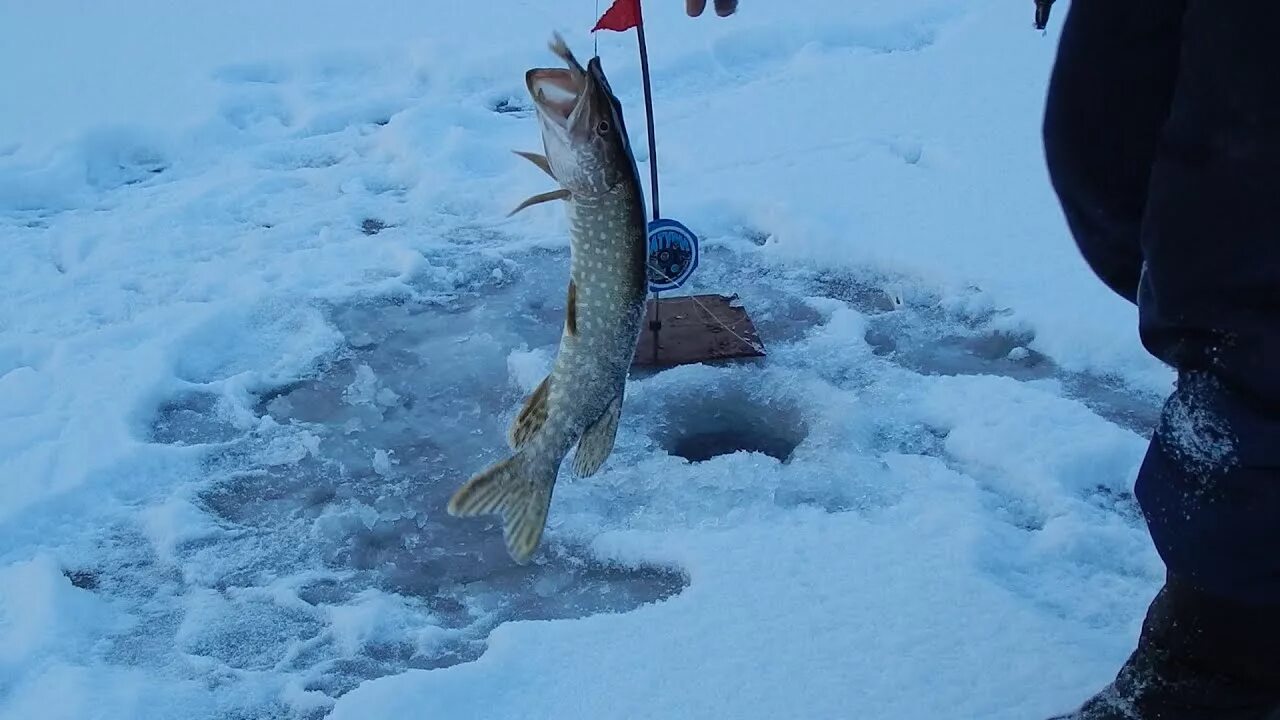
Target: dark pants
x=1162 y=135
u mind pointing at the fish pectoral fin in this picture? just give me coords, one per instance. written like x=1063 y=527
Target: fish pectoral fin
x=515 y=489
x=561 y=194
x=597 y=442
x=532 y=416
x=571 y=310
x=539 y=160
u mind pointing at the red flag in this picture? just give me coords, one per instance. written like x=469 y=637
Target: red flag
x=622 y=15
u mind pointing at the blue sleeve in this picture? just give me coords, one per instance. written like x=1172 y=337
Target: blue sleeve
x=1210 y=292
x=1109 y=95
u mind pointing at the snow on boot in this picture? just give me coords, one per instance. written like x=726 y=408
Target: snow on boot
x=1198 y=658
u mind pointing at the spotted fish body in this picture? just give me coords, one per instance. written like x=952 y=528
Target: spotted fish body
x=580 y=401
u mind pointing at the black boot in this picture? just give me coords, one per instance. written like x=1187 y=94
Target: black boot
x=1198 y=658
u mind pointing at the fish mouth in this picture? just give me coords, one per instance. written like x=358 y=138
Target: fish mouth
x=581 y=122
x=563 y=95
x=557 y=92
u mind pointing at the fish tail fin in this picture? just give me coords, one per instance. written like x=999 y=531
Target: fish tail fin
x=520 y=491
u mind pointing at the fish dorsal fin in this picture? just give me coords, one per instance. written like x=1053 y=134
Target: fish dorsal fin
x=533 y=414
x=561 y=194
x=597 y=442
x=571 y=310
x=539 y=160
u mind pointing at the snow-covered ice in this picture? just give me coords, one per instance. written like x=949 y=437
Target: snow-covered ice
x=261 y=311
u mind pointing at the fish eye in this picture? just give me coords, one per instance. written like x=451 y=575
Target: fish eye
x=602 y=127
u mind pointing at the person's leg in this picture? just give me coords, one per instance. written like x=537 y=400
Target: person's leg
x=1208 y=291
x=1210 y=644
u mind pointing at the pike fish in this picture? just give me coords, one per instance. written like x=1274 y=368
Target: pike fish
x=580 y=401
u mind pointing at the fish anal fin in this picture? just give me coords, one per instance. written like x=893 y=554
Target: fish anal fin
x=532 y=416
x=561 y=194
x=596 y=443
x=571 y=310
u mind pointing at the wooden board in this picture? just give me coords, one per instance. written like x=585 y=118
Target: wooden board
x=697 y=328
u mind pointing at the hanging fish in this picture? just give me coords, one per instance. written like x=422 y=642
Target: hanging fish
x=580 y=402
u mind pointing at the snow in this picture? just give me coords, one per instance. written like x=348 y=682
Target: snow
x=261 y=311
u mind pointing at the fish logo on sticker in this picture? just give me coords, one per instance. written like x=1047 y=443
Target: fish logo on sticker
x=673 y=254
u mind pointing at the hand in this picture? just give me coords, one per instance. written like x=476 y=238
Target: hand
x=724 y=8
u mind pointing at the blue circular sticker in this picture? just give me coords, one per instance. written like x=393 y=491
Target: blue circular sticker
x=673 y=254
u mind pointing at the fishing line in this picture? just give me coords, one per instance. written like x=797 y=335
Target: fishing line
x=707 y=310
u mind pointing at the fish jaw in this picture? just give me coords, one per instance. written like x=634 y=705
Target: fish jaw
x=556 y=94
x=582 y=130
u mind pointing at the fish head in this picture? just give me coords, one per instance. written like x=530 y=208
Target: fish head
x=583 y=133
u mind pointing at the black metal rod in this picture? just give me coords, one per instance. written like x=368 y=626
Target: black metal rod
x=648 y=110
x=655 y=325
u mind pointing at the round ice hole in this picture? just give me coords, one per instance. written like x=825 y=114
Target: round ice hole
x=723 y=423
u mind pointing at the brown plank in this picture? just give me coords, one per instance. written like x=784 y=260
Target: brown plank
x=698 y=328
